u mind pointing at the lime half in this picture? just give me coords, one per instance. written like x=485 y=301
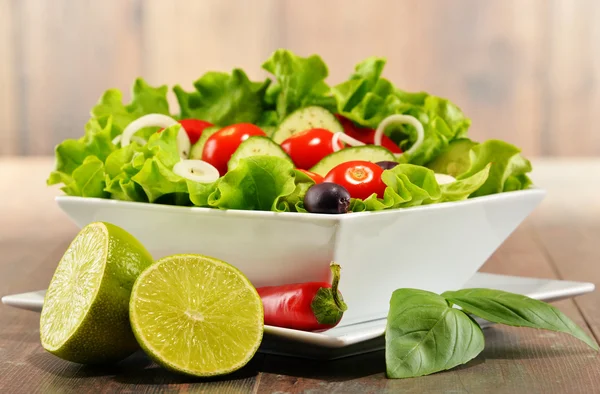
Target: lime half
x=85 y=317
x=196 y=315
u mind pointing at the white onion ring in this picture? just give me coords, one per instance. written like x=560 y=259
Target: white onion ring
x=196 y=170
x=401 y=119
x=157 y=120
x=443 y=179
x=339 y=136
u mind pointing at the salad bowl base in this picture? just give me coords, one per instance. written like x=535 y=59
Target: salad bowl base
x=435 y=247
x=365 y=337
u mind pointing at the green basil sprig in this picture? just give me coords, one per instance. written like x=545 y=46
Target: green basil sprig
x=425 y=334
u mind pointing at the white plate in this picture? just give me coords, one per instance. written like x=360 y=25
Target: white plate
x=435 y=247
x=364 y=337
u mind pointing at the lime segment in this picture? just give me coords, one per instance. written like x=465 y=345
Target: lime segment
x=197 y=315
x=85 y=313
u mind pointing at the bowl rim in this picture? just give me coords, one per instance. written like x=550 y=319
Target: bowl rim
x=300 y=216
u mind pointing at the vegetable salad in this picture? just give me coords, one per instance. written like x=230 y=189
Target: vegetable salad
x=290 y=143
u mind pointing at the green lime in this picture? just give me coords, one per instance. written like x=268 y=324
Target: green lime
x=196 y=315
x=85 y=318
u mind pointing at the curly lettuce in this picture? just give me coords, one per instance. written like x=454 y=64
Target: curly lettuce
x=223 y=99
x=410 y=185
x=508 y=168
x=300 y=82
x=109 y=118
x=366 y=98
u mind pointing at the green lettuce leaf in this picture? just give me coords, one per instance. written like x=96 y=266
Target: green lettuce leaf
x=508 y=167
x=300 y=82
x=257 y=183
x=407 y=185
x=120 y=166
x=122 y=187
x=158 y=180
x=366 y=98
x=144 y=173
x=150 y=166
x=200 y=192
x=291 y=202
x=145 y=100
x=71 y=154
x=461 y=189
x=87 y=180
x=109 y=117
x=418 y=181
x=223 y=99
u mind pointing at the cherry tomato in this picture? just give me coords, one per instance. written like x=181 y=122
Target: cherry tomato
x=315 y=177
x=366 y=135
x=221 y=145
x=360 y=178
x=308 y=147
x=193 y=127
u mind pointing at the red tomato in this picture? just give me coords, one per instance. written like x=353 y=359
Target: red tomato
x=366 y=135
x=360 y=178
x=221 y=145
x=308 y=147
x=315 y=177
x=193 y=128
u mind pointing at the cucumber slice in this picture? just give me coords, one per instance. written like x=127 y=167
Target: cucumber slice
x=372 y=153
x=196 y=152
x=256 y=146
x=269 y=130
x=455 y=159
x=305 y=119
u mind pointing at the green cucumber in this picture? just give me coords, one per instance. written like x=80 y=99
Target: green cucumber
x=455 y=159
x=305 y=119
x=269 y=130
x=256 y=146
x=198 y=148
x=372 y=153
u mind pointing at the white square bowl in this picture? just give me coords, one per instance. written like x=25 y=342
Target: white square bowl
x=433 y=247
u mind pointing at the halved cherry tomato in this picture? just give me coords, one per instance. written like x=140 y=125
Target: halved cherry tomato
x=308 y=147
x=360 y=178
x=315 y=177
x=366 y=135
x=221 y=145
x=194 y=128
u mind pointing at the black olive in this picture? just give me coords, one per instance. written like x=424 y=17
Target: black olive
x=387 y=165
x=327 y=197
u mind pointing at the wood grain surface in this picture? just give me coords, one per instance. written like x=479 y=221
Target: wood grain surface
x=560 y=240
x=527 y=71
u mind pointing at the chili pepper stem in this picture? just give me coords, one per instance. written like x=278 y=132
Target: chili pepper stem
x=336 y=270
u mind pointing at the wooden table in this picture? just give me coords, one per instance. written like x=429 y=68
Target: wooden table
x=560 y=240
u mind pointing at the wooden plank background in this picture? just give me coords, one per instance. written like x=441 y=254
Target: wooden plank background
x=527 y=71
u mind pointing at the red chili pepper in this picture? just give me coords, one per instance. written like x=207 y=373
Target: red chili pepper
x=307 y=306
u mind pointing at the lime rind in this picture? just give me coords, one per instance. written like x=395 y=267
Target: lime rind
x=85 y=318
x=196 y=315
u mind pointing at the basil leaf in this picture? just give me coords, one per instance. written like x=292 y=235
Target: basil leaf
x=516 y=310
x=425 y=335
